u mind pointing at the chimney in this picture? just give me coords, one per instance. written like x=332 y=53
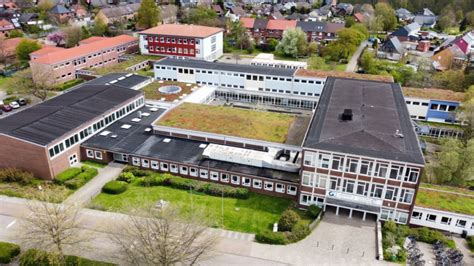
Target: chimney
x=346 y=115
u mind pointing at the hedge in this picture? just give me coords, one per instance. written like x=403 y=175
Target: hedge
x=8 y=251
x=34 y=257
x=115 y=187
x=10 y=175
x=269 y=237
x=196 y=185
x=68 y=174
x=470 y=243
x=313 y=211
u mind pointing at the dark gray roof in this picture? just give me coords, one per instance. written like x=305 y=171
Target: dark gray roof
x=124 y=80
x=311 y=26
x=427 y=21
x=393 y=45
x=379 y=110
x=260 y=23
x=226 y=67
x=136 y=141
x=59 y=9
x=52 y=119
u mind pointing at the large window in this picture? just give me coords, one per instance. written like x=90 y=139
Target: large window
x=406 y=196
x=411 y=174
x=362 y=188
x=381 y=169
x=308 y=179
x=396 y=172
x=416 y=215
x=323 y=161
x=351 y=165
x=348 y=186
x=446 y=220
x=391 y=193
x=309 y=158
x=337 y=162
x=366 y=167
x=431 y=218
x=376 y=191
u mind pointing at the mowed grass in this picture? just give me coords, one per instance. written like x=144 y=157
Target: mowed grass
x=230 y=121
x=151 y=90
x=445 y=201
x=252 y=215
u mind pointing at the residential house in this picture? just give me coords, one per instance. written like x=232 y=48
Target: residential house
x=118 y=13
x=297 y=16
x=5 y=27
x=218 y=9
x=8 y=49
x=392 y=49
x=276 y=15
x=457 y=54
x=235 y=13
x=275 y=28
x=359 y=17
x=323 y=13
x=408 y=32
x=169 y=14
x=315 y=30
x=343 y=9
x=61 y=14
x=426 y=18
x=404 y=15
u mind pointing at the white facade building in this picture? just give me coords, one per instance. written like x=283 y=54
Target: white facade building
x=443 y=220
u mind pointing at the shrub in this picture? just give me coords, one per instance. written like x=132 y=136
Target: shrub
x=274 y=238
x=34 y=257
x=79 y=179
x=313 y=211
x=115 y=187
x=68 y=174
x=390 y=226
x=299 y=231
x=154 y=180
x=78 y=261
x=8 y=251
x=137 y=171
x=15 y=175
x=470 y=243
x=287 y=220
x=128 y=177
x=87 y=173
x=75 y=183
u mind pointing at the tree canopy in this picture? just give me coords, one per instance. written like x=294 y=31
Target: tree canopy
x=293 y=43
x=386 y=14
x=24 y=48
x=148 y=14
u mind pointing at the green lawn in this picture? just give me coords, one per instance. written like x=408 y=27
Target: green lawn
x=51 y=191
x=230 y=121
x=440 y=125
x=121 y=67
x=448 y=188
x=152 y=93
x=94 y=164
x=445 y=201
x=253 y=215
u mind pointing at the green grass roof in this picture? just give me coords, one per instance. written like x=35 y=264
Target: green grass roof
x=230 y=121
x=446 y=200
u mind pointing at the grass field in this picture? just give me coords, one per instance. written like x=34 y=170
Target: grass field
x=152 y=93
x=121 y=67
x=53 y=192
x=252 y=215
x=230 y=121
x=446 y=201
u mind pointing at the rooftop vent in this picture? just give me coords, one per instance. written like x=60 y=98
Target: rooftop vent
x=153 y=109
x=148 y=129
x=166 y=140
x=126 y=126
x=202 y=146
x=136 y=120
x=105 y=133
x=346 y=115
x=114 y=136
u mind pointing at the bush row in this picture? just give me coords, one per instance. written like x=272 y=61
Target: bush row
x=115 y=187
x=291 y=229
x=9 y=175
x=8 y=251
x=196 y=185
x=470 y=243
x=34 y=257
x=75 y=177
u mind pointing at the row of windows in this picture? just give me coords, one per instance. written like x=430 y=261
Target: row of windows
x=417 y=103
x=266 y=99
x=400 y=217
x=215 y=176
x=172 y=50
x=358 y=187
x=64 y=76
x=82 y=60
x=275 y=65
x=361 y=166
x=172 y=40
x=290 y=92
x=85 y=133
x=442 y=107
x=94 y=154
x=445 y=220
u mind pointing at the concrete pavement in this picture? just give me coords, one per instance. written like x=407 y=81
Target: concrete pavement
x=352 y=65
x=87 y=192
x=342 y=232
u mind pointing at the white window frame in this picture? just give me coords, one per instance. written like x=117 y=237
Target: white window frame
x=174 y=168
x=164 y=167
x=98 y=155
x=194 y=173
x=446 y=223
x=459 y=225
x=257 y=183
x=417 y=217
x=268 y=185
x=183 y=169
x=280 y=188
x=90 y=154
x=136 y=161
x=214 y=176
x=246 y=184
x=203 y=173
x=225 y=177
x=235 y=182
x=290 y=190
x=146 y=163
x=155 y=165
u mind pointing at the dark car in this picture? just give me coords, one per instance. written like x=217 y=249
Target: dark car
x=21 y=101
x=7 y=108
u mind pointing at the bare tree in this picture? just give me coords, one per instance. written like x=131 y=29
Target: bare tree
x=163 y=237
x=51 y=227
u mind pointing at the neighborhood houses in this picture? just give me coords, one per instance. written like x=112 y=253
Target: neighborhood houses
x=220 y=132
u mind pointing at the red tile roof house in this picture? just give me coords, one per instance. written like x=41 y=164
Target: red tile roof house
x=183 y=41
x=5 y=27
x=275 y=28
x=53 y=65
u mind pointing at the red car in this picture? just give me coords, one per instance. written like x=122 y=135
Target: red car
x=7 y=108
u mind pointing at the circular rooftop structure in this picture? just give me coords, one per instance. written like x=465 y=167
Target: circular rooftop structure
x=169 y=89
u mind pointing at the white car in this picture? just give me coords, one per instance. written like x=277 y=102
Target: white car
x=14 y=105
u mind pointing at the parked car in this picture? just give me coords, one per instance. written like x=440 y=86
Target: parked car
x=14 y=105
x=21 y=101
x=7 y=108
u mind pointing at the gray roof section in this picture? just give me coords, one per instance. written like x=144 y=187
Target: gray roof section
x=124 y=80
x=312 y=26
x=54 y=118
x=260 y=23
x=60 y=9
x=378 y=109
x=261 y=70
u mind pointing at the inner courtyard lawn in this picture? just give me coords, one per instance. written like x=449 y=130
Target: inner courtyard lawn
x=252 y=215
x=262 y=125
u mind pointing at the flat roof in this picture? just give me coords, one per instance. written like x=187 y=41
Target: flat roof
x=378 y=109
x=445 y=199
x=434 y=94
x=261 y=70
x=136 y=141
x=341 y=74
x=47 y=121
x=230 y=121
x=124 y=80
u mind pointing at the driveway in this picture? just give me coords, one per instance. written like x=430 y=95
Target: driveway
x=352 y=65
